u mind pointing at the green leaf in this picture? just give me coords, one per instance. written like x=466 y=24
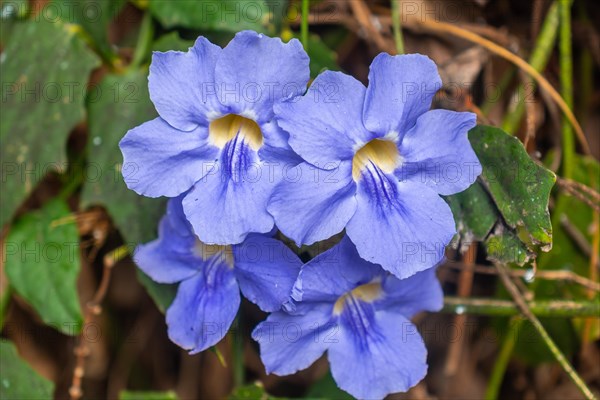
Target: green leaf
x=92 y=15
x=19 y=381
x=474 y=212
x=127 y=395
x=227 y=15
x=505 y=247
x=255 y=391
x=511 y=197
x=45 y=69
x=42 y=264
x=321 y=56
x=119 y=103
x=172 y=41
x=519 y=186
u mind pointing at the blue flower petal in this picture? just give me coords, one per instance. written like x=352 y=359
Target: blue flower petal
x=290 y=343
x=420 y=292
x=255 y=71
x=311 y=204
x=159 y=160
x=266 y=270
x=204 y=307
x=378 y=353
x=437 y=152
x=169 y=258
x=276 y=151
x=182 y=84
x=333 y=273
x=179 y=222
x=231 y=200
x=400 y=90
x=325 y=124
x=402 y=226
x=274 y=136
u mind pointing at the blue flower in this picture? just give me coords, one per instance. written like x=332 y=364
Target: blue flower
x=359 y=314
x=375 y=162
x=215 y=134
x=211 y=277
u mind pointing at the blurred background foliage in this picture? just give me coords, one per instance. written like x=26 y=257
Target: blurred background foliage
x=521 y=315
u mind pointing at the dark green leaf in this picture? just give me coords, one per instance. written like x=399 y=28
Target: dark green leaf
x=519 y=186
x=42 y=264
x=511 y=194
x=228 y=15
x=19 y=381
x=505 y=247
x=474 y=212
x=119 y=103
x=45 y=69
x=92 y=15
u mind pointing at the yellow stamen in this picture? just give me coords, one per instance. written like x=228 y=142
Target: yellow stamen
x=368 y=293
x=206 y=251
x=222 y=130
x=383 y=153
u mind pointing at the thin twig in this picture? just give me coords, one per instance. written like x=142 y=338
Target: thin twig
x=92 y=309
x=540 y=274
x=465 y=284
x=446 y=28
x=527 y=313
x=571 y=189
x=579 y=186
x=365 y=19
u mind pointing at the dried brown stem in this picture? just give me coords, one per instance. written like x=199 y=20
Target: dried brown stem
x=559 y=275
x=92 y=309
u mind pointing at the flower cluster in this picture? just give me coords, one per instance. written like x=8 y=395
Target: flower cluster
x=248 y=154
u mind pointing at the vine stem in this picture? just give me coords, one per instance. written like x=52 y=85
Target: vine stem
x=144 y=41
x=397 y=26
x=566 y=83
x=492 y=307
x=538 y=60
x=304 y=24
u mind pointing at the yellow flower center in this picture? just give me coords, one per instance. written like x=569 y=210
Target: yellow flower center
x=206 y=251
x=222 y=130
x=381 y=152
x=368 y=293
